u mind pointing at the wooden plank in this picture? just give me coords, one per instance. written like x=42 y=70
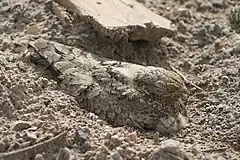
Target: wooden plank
x=121 y=19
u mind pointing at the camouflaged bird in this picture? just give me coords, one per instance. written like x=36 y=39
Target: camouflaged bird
x=122 y=93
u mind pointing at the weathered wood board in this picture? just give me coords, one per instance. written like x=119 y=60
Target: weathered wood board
x=121 y=19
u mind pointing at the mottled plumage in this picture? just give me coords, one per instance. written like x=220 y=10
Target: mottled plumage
x=121 y=93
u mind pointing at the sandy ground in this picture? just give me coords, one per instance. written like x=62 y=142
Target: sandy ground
x=205 y=50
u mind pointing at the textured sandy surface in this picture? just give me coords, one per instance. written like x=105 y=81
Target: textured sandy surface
x=33 y=108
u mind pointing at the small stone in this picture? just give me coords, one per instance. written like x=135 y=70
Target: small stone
x=4 y=46
x=218 y=44
x=65 y=112
x=116 y=156
x=113 y=142
x=183 y=12
x=33 y=129
x=182 y=27
x=170 y=145
x=2 y=59
x=225 y=79
x=30 y=136
x=64 y=154
x=218 y=29
x=89 y=154
x=33 y=29
x=226 y=31
x=218 y=3
x=169 y=149
x=21 y=125
x=81 y=135
x=43 y=82
x=218 y=127
x=237 y=48
x=39 y=157
x=108 y=135
x=100 y=122
x=133 y=136
x=156 y=136
x=205 y=5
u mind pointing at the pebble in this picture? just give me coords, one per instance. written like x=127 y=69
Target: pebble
x=39 y=157
x=169 y=146
x=116 y=156
x=21 y=125
x=237 y=48
x=81 y=135
x=22 y=66
x=204 y=5
x=218 y=3
x=133 y=136
x=215 y=29
x=33 y=29
x=65 y=112
x=218 y=44
x=182 y=27
x=30 y=136
x=156 y=137
x=113 y=142
x=225 y=79
x=218 y=128
x=183 y=12
x=226 y=31
x=2 y=59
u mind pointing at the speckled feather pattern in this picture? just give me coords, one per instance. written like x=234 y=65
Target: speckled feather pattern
x=118 y=92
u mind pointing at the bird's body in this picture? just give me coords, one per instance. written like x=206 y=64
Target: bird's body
x=119 y=92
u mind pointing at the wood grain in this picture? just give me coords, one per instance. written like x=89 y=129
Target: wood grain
x=121 y=19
